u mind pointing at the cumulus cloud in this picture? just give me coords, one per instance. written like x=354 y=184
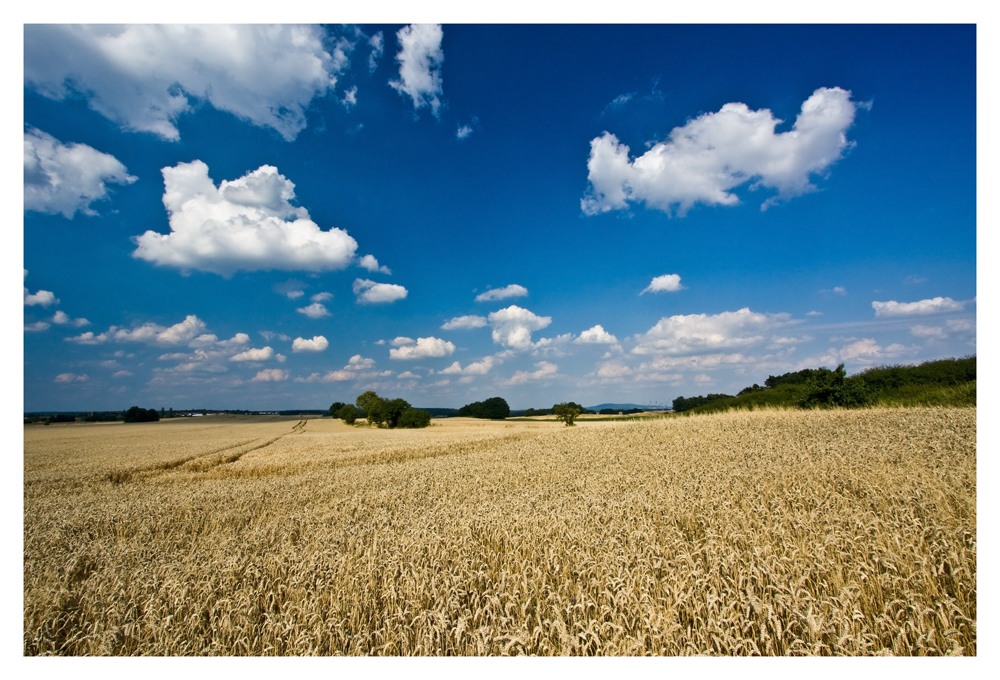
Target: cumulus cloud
x=357 y=367
x=314 y=311
x=667 y=282
x=512 y=326
x=149 y=333
x=705 y=159
x=63 y=319
x=247 y=224
x=71 y=377
x=420 y=58
x=262 y=354
x=481 y=367
x=36 y=326
x=317 y=344
x=66 y=178
x=145 y=76
x=423 y=348
x=375 y=293
x=42 y=297
x=321 y=297
x=463 y=132
x=464 y=322
x=544 y=370
x=693 y=333
x=271 y=375
x=920 y=331
x=407 y=375
x=371 y=264
x=513 y=290
x=596 y=336
x=936 y=305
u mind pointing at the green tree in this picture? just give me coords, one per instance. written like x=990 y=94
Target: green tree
x=414 y=418
x=348 y=413
x=336 y=406
x=371 y=404
x=567 y=412
x=392 y=410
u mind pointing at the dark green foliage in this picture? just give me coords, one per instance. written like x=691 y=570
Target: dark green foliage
x=348 y=413
x=392 y=410
x=945 y=382
x=140 y=415
x=567 y=412
x=414 y=418
x=335 y=408
x=371 y=404
x=607 y=412
x=103 y=417
x=494 y=408
x=682 y=404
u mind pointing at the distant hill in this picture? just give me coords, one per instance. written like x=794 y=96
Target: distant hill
x=625 y=407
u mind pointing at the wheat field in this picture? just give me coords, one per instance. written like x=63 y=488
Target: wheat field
x=765 y=532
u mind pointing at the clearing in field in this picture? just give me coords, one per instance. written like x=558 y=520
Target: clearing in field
x=769 y=532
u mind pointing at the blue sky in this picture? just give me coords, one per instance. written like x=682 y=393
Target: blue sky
x=281 y=217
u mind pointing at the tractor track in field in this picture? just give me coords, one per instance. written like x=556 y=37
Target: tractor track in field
x=200 y=462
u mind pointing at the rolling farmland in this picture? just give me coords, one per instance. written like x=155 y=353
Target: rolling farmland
x=765 y=532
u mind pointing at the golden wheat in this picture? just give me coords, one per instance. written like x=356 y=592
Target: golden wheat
x=771 y=532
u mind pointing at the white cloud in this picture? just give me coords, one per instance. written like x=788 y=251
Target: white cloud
x=246 y=224
x=513 y=290
x=378 y=46
x=481 y=367
x=839 y=290
x=371 y=264
x=920 y=331
x=317 y=344
x=512 y=326
x=144 y=76
x=150 y=333
x=36 y=326
x=667 y=282
x=702 y=161
x=596 y=336
x=463 y=132
x=694 y=333
x=357 y=367
x=262 y=354
x=42 y=297
x=407 y=375
x=314 y=311
x=350 y=98
x=551 y=346
x=464 y=322
x=66 y=178
x=423 y=348
x=321 y=297
x=375 y=293
x=420 y=57
x=814 y=313
x=121 y=374
x=271 y=375
x=71 y=377
x=291 y=289
x=961 y=325
x=936 y=305
x=614 y=370
x=545 y=370
x=62 y=318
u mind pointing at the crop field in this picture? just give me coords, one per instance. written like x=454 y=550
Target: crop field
x=766 y=532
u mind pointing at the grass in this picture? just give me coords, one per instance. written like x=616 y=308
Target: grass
x=767 y=532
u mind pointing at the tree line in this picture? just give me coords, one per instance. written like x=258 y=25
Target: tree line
x=944 y=382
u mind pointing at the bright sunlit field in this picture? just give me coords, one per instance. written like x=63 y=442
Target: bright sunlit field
x=768 y=532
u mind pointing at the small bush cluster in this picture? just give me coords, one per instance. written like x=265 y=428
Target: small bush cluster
x=494 y=408
x=382 y=412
